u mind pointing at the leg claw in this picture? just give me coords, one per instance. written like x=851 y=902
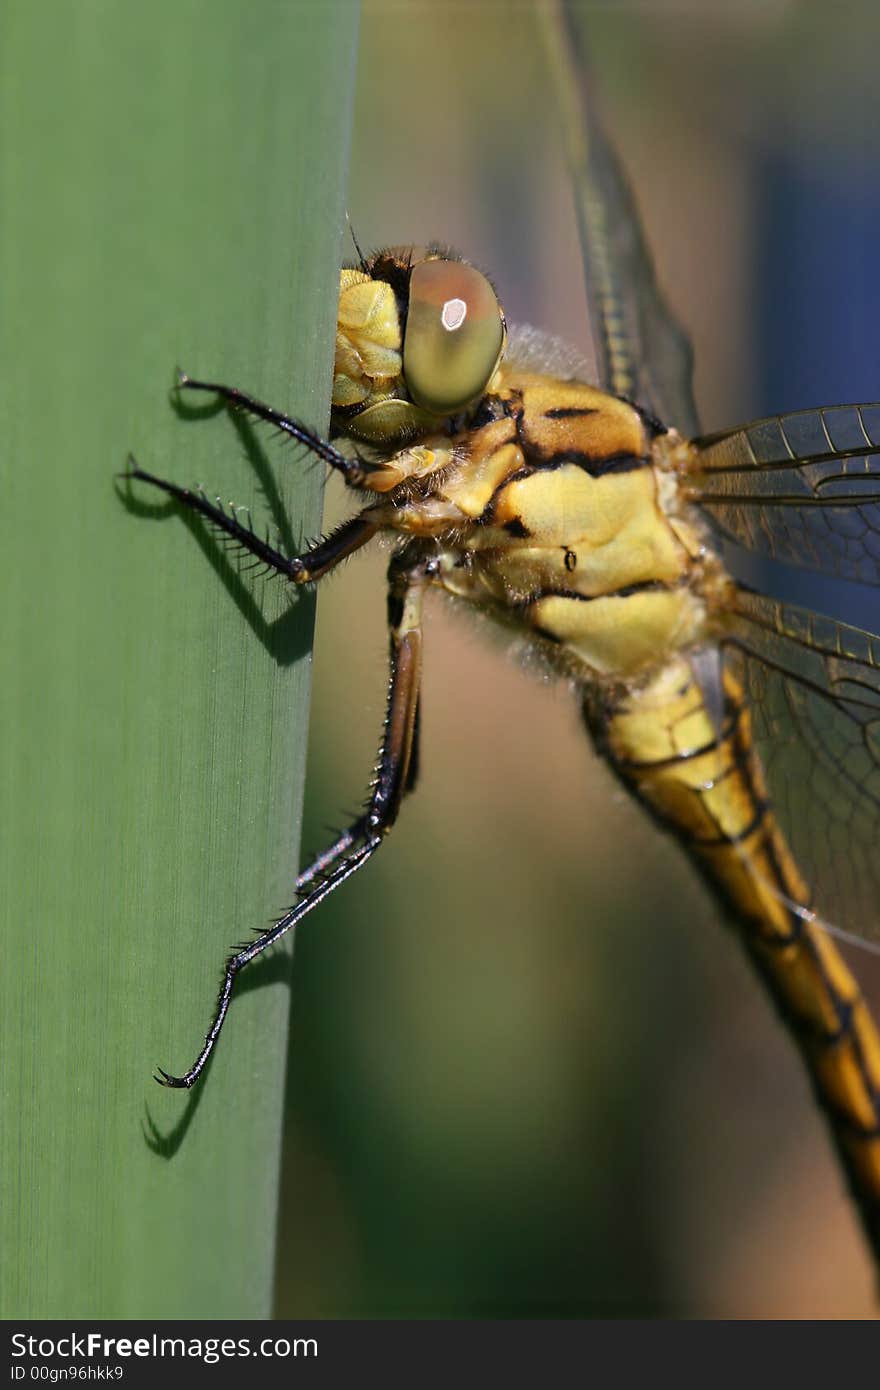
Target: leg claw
x=175 y=1083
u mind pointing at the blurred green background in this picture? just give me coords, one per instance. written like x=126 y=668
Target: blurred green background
x=529 y=1072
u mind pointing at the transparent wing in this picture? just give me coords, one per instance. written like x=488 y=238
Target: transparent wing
x=803 y=488
x=641 y=351
x=813 y=688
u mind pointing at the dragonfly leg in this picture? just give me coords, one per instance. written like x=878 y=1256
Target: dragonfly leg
x=356 y=845
x=412 y=772
x=313 y=564
x=352 y=835
x=353 y=470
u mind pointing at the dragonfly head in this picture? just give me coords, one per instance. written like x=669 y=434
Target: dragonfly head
x=419 y=336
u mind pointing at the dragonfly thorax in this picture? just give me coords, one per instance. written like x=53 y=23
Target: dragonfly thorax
x=557 y=516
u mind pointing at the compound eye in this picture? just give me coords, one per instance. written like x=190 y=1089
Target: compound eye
x=454 y=335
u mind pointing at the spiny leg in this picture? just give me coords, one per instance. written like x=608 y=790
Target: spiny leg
x=328 y=857
x=355 y=846
x=313 y=564
x=353 y=470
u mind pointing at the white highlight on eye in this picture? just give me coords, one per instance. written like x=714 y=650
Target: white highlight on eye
x=453 y=314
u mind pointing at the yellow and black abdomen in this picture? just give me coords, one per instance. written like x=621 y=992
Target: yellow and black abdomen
x=696 y=769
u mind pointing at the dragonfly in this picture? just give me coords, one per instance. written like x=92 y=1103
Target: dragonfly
x=588 y=517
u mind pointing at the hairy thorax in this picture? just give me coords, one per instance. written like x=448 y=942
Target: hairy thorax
x=558 y=509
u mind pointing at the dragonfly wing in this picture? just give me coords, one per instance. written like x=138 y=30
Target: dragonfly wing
x=641 y=351
x=803 y=488
x=813 y=690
